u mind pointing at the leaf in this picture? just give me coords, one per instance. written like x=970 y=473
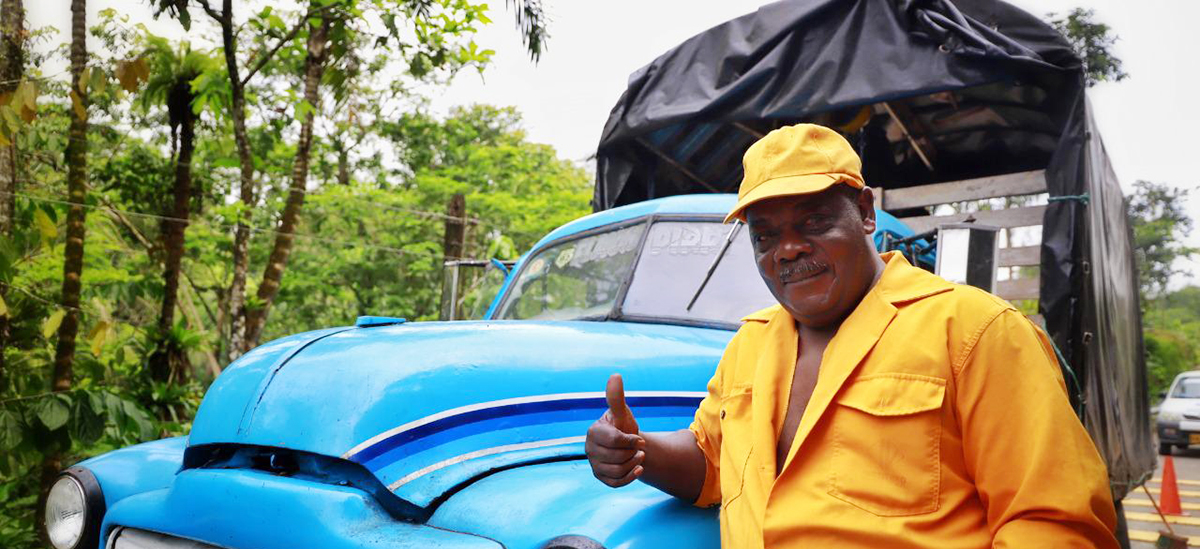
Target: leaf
x=98 y=336
x=138 y=421
x=30 y=93
x=87 y=424
x=303 y=109
x=130 y=74
x=3 y=307
x=53 y=412
x=52 y=322
x=125 y=76
x=45 y=226
x=10 y=430
x=226 y=162
x=84 y=77
x=28 y=105
x=98 y=81
x=77 y=105
x=142 y=69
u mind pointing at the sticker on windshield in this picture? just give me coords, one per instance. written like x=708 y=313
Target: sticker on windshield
x=604 y=246
x=702 y=239
x=564 y=257
x=537 y=266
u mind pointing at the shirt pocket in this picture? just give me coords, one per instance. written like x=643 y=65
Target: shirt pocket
x=886 y=432
x=736 y=443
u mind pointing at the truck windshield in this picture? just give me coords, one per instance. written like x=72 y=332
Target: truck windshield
x=579 y=278
x=582 y=278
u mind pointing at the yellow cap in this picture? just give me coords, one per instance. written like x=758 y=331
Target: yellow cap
x=800 y=159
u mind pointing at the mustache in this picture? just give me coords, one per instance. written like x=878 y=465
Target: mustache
x=802 y=269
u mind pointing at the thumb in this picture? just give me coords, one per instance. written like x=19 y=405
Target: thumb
x=622 y=416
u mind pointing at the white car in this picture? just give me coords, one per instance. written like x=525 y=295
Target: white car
x=1179 y=413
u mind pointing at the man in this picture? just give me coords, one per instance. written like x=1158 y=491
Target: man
x=877 y=405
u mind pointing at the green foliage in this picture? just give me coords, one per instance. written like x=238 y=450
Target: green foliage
x=1159 y=221
x=1092 y=42
x=1172 y=337
x=1170 y=320
x=376 y=244
x=372 y=245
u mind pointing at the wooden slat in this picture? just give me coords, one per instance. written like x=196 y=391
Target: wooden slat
x=1020 y=256
x=1020 y=288
x=1005 y=219
x=1013 y=184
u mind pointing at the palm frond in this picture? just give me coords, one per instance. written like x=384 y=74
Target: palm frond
x=532 y=22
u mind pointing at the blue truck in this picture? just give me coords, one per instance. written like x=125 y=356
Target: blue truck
x=451 y=434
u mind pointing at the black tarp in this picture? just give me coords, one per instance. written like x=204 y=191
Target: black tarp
x=991 y=89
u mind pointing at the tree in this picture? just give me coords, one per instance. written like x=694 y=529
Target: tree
x=77 y=150
x=336 y=30
x=1159 y=223
x=389 y=262
x=314 y=67
x=436 y=24
x=12 y=67
x=173 y=75
x=1092 y=42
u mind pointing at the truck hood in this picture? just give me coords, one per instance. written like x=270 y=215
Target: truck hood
x=428 y=406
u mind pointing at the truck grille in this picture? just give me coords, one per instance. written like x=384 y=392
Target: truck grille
x=132 y=538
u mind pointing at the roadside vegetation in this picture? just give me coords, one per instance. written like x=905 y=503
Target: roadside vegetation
x=159 y=217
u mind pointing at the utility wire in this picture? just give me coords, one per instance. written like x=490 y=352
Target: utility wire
x=44 y=300
x=346 y=243
x=420 y=213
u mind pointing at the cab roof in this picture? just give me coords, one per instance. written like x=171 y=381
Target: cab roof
x=693 y=204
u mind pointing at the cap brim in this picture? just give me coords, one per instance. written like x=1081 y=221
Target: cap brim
x=787 y=186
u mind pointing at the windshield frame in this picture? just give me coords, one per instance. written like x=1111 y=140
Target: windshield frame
x=616 y=312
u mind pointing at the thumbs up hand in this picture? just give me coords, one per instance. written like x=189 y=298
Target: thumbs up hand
x=614 y=445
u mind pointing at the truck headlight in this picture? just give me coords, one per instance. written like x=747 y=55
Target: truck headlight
x=74 y=508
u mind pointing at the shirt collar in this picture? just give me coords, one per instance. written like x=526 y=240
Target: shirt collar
x=900 y=283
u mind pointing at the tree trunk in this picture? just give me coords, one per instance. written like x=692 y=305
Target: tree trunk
x=241 y=238
x=77 y=147
x=167 y=363
x=12 y=67
x=452 y=248
x=343 y=165
x=314 y=67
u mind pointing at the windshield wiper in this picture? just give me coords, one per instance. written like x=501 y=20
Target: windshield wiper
x=737 y=224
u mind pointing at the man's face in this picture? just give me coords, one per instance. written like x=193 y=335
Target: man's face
x=814 y=252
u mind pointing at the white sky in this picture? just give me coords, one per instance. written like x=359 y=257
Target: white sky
x=1148 y=121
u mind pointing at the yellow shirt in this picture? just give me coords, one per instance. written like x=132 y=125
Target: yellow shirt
x=939 y=420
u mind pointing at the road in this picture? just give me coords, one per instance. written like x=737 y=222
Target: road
x=1144 y=524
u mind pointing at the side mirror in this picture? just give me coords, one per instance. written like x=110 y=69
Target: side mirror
x=1162 y=395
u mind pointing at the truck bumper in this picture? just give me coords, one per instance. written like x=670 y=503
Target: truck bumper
x=236 y=509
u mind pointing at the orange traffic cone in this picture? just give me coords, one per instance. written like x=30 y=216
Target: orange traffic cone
x=1169 y=497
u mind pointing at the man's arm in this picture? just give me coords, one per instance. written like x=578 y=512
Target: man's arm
x=619 y=452
x=1035 y=466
